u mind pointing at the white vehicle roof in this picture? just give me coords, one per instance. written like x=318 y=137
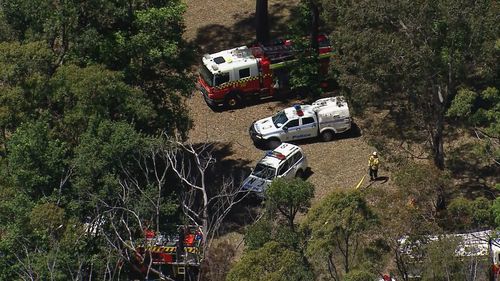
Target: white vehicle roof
x=226 y=60
x=331 y=106
x=324 y=107
x=470 y=244
x=292 y=112
x=279 y=154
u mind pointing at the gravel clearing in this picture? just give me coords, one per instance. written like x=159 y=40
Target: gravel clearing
x=218 y=24
x=213 y=25
x=338 y=164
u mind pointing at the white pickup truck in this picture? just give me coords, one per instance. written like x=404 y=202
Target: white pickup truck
x=285 y=161
x=325 y=118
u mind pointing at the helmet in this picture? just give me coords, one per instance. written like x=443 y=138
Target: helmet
x=374 y=153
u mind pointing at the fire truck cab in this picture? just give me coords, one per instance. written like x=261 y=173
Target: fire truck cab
x=229 y=77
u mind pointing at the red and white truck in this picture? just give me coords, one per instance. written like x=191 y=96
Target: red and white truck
x=231 y=76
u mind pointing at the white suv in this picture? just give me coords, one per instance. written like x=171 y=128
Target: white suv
x=286 y=161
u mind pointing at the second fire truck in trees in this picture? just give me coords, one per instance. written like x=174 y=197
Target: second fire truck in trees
x=229 y=77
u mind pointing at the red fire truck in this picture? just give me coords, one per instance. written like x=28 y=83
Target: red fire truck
x=231 y=76
x=177 y=256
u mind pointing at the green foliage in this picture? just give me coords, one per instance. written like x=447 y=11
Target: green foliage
x=421 y=183
x=14 y=210
x=470 y=215
x=289 y=197
x=481 y=212
x=267 y=229
x=440 y=263
x=159 y=62
x=496 y=208
x=160 y=33
x=144 y=41
x=306 y=73
x=337 y=226
x=6 y=32
x=288 y=238
x=359 y=275
x=412 y=57
x=36 y=162
x=258 y=234
x=272 y=262
x=462 y=104
x=305 y=77
x=79 y=94
x=83 y=87
x=105 y=148
x=481 y=111
x=24 y=70
x=46 y=218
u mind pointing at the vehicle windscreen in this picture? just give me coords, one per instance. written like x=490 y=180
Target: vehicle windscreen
x=207 y=75
x=264 y=172
x=279 y=118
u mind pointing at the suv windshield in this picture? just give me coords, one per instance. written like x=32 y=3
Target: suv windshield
x=264 y=172
x=207 y=75
x=279 y=118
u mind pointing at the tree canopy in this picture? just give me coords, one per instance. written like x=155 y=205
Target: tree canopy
x=271 y=262
x=412 y=58
x=337 y=226
x=88 y=92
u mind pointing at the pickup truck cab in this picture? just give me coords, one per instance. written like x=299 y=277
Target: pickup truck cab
x=286 y=161
x=325 y=118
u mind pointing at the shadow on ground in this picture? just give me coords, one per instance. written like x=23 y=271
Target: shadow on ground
x=225 y=175
x=354 y=132
x=378 y=180
x=473 y=177
x=214 y=37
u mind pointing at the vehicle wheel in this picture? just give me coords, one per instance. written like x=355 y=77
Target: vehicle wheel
x=232 y=101
x=299 y=174
x=327 y=135
x=272 y=144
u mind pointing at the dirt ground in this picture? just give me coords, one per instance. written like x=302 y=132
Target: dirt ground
x=218 y=24
x=214 y=25
x=339 y=164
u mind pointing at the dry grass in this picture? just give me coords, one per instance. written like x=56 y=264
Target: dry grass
x=218 y=24
x=338 y=165
x=335 y=165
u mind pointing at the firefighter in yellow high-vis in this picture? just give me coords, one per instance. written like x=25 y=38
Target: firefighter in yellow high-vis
x=373 y=164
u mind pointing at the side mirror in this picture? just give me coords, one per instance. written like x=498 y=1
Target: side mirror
x=285 y=128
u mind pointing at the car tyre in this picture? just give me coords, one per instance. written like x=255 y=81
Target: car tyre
x=327 y=135
x=232 y=101
x=299 y=174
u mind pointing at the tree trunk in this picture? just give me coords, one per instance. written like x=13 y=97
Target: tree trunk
x=438 y=142
x=346 y=257
x=262 y=22
x=291 y=216
x=314 y=26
